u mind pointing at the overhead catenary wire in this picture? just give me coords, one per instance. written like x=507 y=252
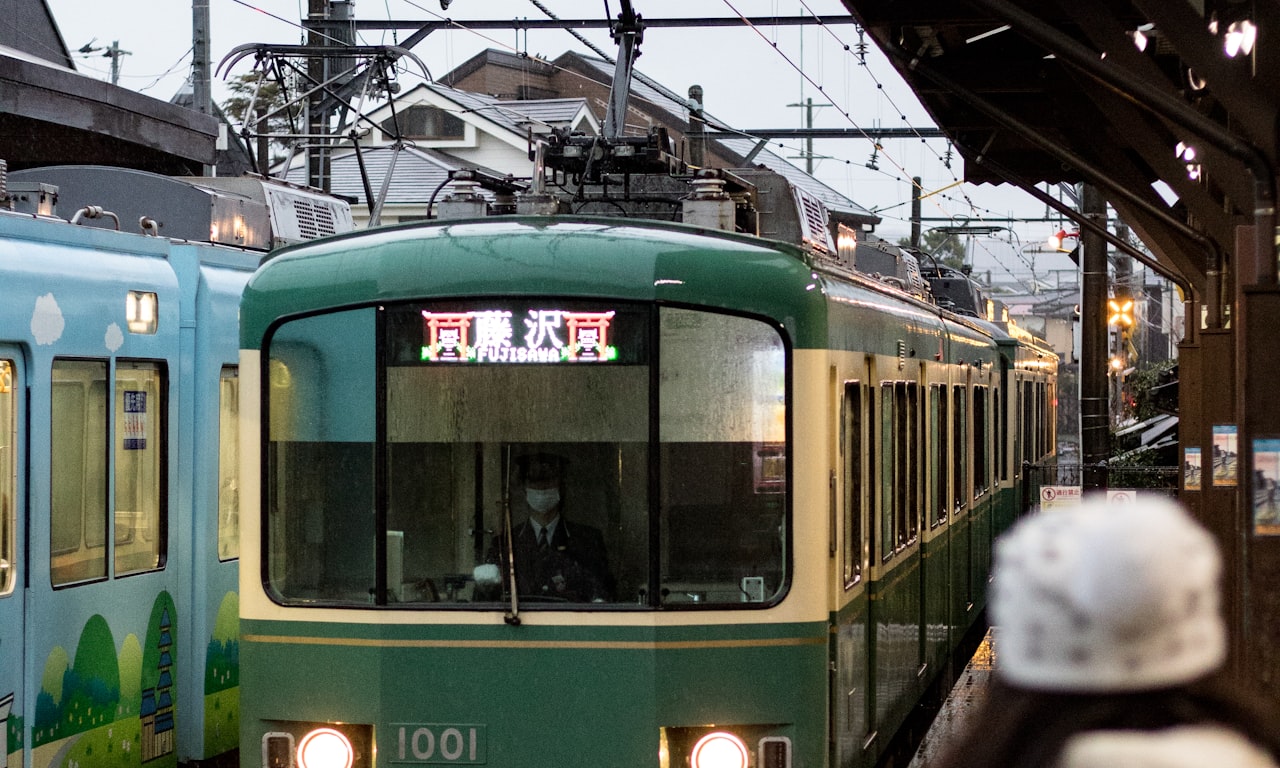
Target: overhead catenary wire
x=855 y=52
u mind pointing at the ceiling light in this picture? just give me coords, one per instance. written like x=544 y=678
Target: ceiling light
x=1240 y=37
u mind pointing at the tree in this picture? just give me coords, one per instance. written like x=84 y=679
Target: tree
x=242 y=108
x=946 y=247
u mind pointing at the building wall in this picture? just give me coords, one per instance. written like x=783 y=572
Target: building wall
x=507 y=82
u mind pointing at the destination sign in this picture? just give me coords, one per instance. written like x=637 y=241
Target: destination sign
x=504 y=336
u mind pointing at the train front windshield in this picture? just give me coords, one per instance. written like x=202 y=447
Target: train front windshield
x=581 y=454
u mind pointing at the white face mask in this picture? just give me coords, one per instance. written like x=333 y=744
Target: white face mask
x=542 y=499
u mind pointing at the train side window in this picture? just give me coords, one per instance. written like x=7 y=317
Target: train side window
x=911 y=472
x=853 y=483
x=78 y=461
x=939 y=431
x=140 y=447
x=1051 y=417
x=9 y=386
x=1042 y=401
x=888 y=471
x=959 y=432
x=981 y=456
x=1002 y=443
x=229 y=464
x=1028 y=422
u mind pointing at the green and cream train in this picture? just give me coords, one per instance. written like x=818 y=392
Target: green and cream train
x=780 y=478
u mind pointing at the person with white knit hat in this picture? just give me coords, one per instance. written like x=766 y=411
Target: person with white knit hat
x=1110 y=646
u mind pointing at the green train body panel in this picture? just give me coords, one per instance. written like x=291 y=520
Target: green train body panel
x=545 y=695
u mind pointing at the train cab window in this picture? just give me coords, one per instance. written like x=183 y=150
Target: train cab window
x=723 y=460
x=78 y=461
x=320 y=426
x=229 y=464
x=486 y=447
x=9 y=387
x=139 y=467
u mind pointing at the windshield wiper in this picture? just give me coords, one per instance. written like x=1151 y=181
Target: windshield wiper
x=513 y=613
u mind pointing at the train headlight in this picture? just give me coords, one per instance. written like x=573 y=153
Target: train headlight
x=719 y=750
x=325 y=748
x=141 y=309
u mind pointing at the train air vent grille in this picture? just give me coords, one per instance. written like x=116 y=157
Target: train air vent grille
x=314 y=220
x=813 y=223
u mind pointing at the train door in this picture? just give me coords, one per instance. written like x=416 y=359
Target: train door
x=12 y=546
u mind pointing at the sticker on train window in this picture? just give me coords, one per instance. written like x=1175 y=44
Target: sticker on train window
x=535 y=335
x=135 y=420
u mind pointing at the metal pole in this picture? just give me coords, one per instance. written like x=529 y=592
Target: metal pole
x=697 y=127
x=1094 y=421
x=317 y=171
x=916 y=190
x=201 y=73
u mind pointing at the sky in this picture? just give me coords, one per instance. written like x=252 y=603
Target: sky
x=752 y=77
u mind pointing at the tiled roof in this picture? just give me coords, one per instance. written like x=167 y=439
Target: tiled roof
x=513 y=115
x=418 y=174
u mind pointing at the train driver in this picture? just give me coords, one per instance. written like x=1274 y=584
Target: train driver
x=556 y=558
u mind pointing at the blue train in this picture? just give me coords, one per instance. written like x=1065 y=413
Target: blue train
x=119 y=507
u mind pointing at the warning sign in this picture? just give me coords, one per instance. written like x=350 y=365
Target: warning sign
x=1059 y=496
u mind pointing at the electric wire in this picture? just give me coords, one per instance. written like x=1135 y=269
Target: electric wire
x=855 y=50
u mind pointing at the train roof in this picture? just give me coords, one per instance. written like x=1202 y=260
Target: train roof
x=628 y=259
x=564 y=256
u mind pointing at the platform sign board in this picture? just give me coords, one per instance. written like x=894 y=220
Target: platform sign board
x=1225 y=454
x=1059 y=496
x=1266 y=495
x=1191 y=478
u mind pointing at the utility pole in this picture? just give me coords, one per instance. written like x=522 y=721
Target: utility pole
x=201 y=79
x=917 y=189
x=200 y=71
x=113 y=52
x=317 y=124
x=808 y=124
x=697 y=127
x=1094 y=420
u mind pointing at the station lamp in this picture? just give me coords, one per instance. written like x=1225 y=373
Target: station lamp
x=1120 y=312
x=1057 y=240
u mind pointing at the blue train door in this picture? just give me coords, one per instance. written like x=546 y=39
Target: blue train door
x=12 y=547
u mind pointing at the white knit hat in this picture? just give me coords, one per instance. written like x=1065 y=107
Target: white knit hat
x=1107 y=597
x=1194 y=746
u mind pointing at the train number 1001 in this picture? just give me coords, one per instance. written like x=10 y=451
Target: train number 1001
x=438 y=743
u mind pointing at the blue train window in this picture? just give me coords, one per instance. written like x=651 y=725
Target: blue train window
x=229 y=464
x=8 y=475
x=78 y=459
x=139 y=467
